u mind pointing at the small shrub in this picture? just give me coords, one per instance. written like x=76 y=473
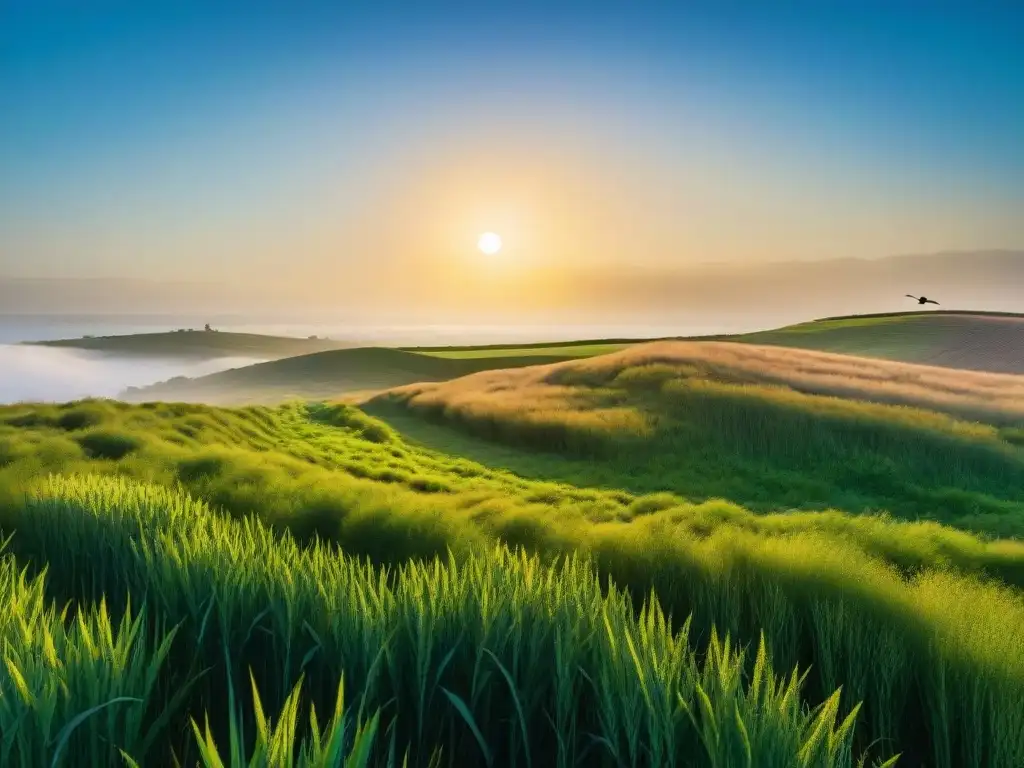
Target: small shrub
x=79 y=419
x=429 y=485
x=390 y=476
x=190 y=470
x=30 y=420
x=108 y=445
x=655 y=502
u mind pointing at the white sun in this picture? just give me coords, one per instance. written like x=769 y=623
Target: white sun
x=489 y=243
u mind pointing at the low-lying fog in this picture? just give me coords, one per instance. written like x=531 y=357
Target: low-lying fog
x=50 y=374
x=53 y=374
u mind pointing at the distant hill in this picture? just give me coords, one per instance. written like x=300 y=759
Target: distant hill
x=992 y=342
x=976 y=341
x=980 y=341
x=198 y=345
x=326 y=375
x=567 y=349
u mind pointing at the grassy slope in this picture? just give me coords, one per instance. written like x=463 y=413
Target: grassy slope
x=327 y=374
x=859 y=598
x=982 y=342
x=198 y=344
x=534 y=345
x=458 y=660
x=759 y=426
x=566 y=350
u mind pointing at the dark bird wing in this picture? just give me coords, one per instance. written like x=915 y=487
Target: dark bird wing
x=931 y=301
x=911 y=297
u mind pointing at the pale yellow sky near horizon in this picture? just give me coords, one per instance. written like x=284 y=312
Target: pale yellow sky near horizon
x=355 y=157
x=562 y=206
x=573 y=210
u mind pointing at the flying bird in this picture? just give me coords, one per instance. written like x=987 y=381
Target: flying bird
x=922 y=299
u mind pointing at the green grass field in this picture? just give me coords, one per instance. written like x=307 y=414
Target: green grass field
x=671 y=495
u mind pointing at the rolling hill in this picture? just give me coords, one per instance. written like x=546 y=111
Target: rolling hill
x=980 y=341
x=325 y=375
x=659 y=499
x=971 y=341
x=771 y=428
x=566 y=349
x=984 y=342
x=201 y=345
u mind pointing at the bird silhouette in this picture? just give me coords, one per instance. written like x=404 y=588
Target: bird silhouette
x=922 y=299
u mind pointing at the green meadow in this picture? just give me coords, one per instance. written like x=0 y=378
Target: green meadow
x=692 y=555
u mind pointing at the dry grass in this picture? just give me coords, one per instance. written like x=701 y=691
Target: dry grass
x=989 y=397
x=773 y=429
x=984 y=396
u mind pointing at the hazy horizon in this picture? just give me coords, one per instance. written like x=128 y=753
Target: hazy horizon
x=710 y=298
x=346 y=158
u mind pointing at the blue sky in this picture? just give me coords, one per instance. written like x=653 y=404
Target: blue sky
x=190 y=139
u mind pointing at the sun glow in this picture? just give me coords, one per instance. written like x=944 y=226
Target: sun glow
x=489 y=243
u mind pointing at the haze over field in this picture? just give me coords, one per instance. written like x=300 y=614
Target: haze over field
x=58 y=375
x=530 y=305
